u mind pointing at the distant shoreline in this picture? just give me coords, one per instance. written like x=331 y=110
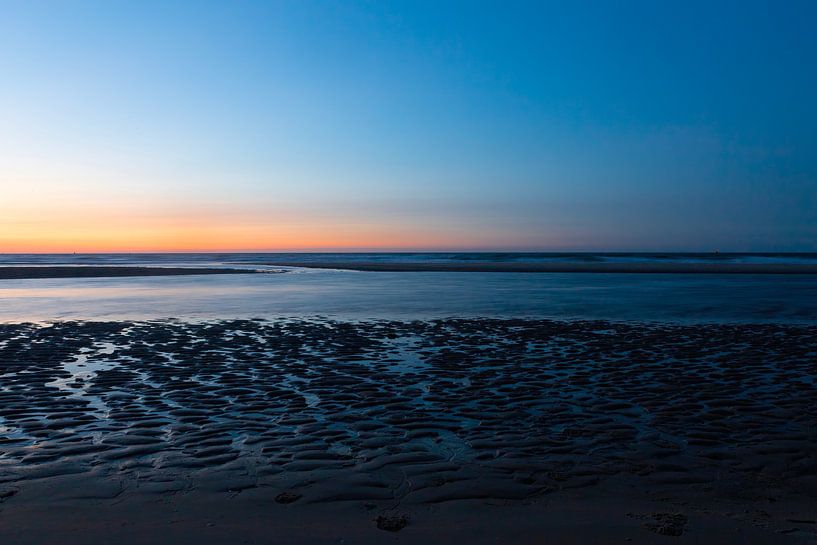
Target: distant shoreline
x=25 y=273
x=653 y=268
x=17 y=272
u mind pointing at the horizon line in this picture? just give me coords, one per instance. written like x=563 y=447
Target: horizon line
x=412 y=251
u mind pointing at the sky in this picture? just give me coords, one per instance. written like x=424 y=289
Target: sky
x=439 y=125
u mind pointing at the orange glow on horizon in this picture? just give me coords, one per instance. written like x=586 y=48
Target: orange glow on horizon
x=98 y=223
x=206 y=238
x=117 y=234
x=192 y=244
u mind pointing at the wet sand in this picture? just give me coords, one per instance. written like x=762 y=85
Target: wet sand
x=488 y=431
x=649 y=268
x=57 y=271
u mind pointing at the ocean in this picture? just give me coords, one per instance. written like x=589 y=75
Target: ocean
x=303 y=293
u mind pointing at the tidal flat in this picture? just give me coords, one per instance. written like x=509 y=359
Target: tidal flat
x=339 y=431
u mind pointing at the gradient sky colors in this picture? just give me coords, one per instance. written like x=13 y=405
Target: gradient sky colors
x=140 y=126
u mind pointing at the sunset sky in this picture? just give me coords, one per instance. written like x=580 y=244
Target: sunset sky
x=273 y=125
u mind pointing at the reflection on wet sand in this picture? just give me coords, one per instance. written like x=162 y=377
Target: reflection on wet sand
x=398 y=417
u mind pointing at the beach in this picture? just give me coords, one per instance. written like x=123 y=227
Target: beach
x=408 y=273
x=365 y=398
x=423 y=431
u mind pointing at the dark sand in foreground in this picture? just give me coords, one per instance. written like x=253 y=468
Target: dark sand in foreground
x=58 y=271
x=480 y=431
x=669 y=268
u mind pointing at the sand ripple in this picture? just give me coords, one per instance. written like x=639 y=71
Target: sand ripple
x=393 y=413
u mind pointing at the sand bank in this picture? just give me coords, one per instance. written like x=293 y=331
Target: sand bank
x=67 y=271
x=653 y=268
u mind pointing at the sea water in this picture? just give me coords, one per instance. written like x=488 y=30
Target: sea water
x=679 y=298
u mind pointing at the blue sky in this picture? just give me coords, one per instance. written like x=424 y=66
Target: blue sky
x=392 y=125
